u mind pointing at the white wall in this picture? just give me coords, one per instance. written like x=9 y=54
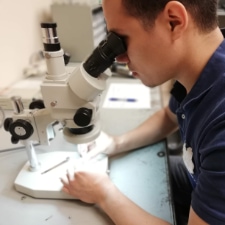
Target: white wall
x=20 y=35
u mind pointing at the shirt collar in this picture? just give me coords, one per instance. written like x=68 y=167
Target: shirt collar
x=209 y=75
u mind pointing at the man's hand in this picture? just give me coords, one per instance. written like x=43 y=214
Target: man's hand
x=89 y=187
x=103 y=144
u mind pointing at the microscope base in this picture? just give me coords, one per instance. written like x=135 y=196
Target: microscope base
x=45 y=183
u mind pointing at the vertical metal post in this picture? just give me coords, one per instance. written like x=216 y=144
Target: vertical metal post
x=32 y=157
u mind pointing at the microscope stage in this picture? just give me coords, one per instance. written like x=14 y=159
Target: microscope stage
x=45 y=183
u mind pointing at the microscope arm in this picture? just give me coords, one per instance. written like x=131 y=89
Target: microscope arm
x=71 y=94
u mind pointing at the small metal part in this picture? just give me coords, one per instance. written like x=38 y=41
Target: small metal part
x=53 y=104
x=17 y=104
x=23 y=197
x=57 y=165
x=47 y=55
x=161 y=154
x=48 y=218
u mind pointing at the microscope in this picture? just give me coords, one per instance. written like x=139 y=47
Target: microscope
x=71 y=96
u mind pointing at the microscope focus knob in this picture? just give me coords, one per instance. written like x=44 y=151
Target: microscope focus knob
x=21 y=129
x=14 y=140
x=7 y=123
x=37 y=104
x=83 y=117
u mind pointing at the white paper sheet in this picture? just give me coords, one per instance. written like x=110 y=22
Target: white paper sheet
x=127 y=96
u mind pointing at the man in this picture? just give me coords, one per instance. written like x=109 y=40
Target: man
x=167 y=40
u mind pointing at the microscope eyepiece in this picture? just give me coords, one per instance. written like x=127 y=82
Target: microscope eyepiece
x=104 y=55
x=50 y=38
x=48 y=25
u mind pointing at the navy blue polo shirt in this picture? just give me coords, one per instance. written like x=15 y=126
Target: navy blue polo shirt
x=201 y=117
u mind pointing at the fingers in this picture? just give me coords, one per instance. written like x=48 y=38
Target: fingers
x=68 y=177
x=71 y=186
x=88 y=186
x=102 y=144
x=66 y=190
x=66 y=181
x=84 y=149
x=88 y=151
x=63 y=182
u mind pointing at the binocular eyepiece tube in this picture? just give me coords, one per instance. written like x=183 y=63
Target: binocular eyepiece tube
x=50 y=38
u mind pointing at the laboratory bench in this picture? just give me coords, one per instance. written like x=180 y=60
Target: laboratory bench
x=142 y=175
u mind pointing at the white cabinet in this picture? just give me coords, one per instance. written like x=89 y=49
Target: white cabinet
x=80 y=28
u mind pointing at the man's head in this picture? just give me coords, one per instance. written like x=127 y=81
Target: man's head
x=165 y=39
x=203 y=12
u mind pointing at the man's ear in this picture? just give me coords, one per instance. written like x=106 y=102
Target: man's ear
x=176 y=17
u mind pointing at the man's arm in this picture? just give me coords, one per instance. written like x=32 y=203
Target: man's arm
x=124 y=212
x=97 y=188
x=195 y=219
x=155 y=128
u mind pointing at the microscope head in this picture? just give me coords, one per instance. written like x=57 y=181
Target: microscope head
x=72 y=93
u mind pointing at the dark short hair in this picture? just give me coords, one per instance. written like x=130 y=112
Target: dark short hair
x=203 y=12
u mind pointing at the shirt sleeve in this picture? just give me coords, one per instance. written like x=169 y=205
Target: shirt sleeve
x=208 y=198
